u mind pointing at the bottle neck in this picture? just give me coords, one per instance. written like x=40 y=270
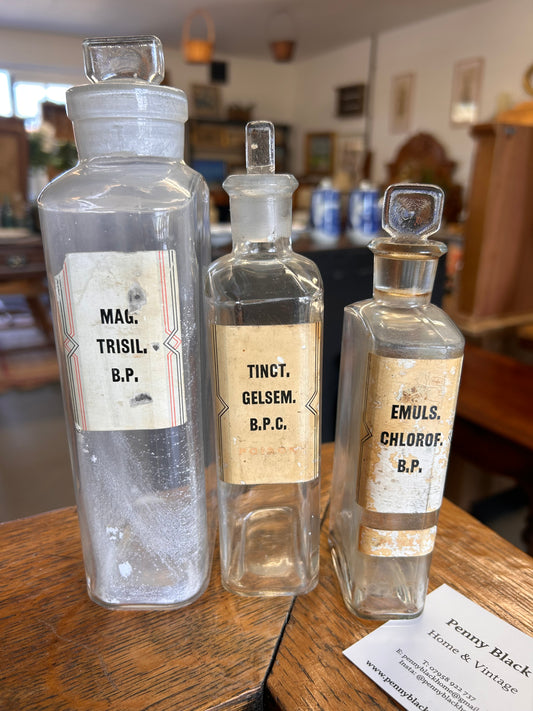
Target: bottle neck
x=264 y=248
x=98 y=137
x=262 y=224
x=404 y=281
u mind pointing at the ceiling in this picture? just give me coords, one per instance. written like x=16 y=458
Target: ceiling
x=243 y=27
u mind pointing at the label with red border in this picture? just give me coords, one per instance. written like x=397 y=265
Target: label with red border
x=121 y=335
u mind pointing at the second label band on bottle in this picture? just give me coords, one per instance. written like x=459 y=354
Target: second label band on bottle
x=405 y=441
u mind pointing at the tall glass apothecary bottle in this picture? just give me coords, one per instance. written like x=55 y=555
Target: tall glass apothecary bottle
x=265 y=311
x=400 y=369
x=126 y=243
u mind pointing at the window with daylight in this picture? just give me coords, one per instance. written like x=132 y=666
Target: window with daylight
x=28 y=97
x=23 y=98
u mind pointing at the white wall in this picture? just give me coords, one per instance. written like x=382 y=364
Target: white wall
x=39 y=56
x=269 y=87
x=303 y=95
x=499 y=31
x=316 y=81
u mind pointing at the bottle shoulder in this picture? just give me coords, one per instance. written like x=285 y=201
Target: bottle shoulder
x=410 y=331
x=240 y=277
x=122 y=185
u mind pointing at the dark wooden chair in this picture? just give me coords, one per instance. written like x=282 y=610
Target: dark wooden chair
x=423 y=159
x=494 y=425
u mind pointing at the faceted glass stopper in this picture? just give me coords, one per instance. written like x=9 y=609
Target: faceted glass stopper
x=139 y=58
x=260 y=147
x=412 y=210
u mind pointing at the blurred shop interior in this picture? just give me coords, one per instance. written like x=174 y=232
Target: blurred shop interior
x=362 y=95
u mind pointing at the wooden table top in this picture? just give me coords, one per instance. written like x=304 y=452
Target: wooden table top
x=60 y=651
x=310 y=671
x=496 y=393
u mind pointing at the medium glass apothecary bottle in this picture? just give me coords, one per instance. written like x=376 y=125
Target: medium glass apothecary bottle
x=126 y=244
x=400 y=369
x=265 y=310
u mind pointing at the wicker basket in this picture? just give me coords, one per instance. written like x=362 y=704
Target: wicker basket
x=196 y=50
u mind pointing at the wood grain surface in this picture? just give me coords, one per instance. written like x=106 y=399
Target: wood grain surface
x=60 y=651
x=494 y=424
x=310 y=671
x=496 y=393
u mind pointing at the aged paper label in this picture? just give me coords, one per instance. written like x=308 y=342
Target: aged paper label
x=267 y=399
x=121 y=335
x=373 y=541
x=406 y=433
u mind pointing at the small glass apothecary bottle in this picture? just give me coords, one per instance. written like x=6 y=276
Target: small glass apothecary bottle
x=126 y=242
x=400 y=369
x=265 y=311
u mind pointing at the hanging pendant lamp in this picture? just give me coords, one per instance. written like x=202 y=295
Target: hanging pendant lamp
x=282 y=37
x=197 y=50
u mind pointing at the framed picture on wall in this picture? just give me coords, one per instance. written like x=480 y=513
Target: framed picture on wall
x=351 y=100
x=466 y=91
x=402 y=94
x=350 y=156
x=320 y=153
x=205 y=101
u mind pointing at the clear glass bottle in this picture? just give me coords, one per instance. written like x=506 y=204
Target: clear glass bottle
x=400 y=369
x=126 y=242
x=265 y=310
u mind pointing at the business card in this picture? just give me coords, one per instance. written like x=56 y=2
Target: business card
x=455 y=656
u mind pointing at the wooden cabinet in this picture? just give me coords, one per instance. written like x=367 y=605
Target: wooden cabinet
x=56 y=115
x=13 y=160
x=498 y=250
